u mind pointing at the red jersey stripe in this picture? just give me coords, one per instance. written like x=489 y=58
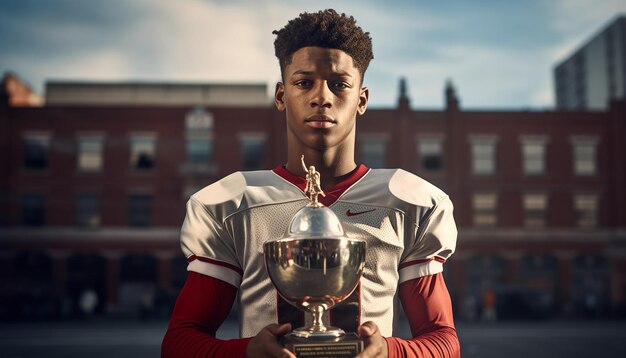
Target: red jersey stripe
x=417 y=262
x=215 y=262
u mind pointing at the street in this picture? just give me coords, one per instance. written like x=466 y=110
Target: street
x=100 y=339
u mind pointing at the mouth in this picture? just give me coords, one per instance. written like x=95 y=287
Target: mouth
x=320 y=121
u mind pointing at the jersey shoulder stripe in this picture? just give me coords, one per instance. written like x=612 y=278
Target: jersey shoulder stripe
x=213 y=269
x=419 y=269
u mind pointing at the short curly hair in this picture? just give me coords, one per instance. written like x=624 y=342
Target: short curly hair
x=327 y=29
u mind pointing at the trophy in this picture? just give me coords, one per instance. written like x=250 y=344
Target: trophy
x=314 y=267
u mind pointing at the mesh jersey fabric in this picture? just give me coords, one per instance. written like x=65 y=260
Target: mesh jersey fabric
x=406 y=222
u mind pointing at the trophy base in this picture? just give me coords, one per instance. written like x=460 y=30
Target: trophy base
x=345 y=346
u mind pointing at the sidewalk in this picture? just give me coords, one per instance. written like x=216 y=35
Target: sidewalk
x=105 y=338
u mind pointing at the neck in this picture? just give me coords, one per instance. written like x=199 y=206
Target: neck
x=331 y=163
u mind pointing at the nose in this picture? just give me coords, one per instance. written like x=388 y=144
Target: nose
x=321 y=96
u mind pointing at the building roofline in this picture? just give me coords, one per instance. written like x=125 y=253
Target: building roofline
x=589 y=38
x=141 y=83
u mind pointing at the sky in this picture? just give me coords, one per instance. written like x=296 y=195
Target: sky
x=498 y=54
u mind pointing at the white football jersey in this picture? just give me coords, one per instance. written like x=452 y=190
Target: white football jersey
x=407 y=223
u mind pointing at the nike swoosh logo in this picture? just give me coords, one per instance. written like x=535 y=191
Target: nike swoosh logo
x=350 y=213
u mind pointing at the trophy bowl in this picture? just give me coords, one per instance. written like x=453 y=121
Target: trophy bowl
x=315 y=266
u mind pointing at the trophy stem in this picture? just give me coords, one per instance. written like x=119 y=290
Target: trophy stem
x=317 y=311
x=317 y=328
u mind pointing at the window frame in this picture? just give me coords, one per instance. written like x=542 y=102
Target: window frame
x=485 y=216
x=99 y=154
x=79 y=211
x=368 y=139
x=146 y=220
x=45 y=139
x=255 y=138
x=528 y=158
x=582 y=166
x=134 y=155
x=490 y=157
x=423 y=141
x=582 y=215
x=535 y=217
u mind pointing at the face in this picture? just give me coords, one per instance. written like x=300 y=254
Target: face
x=321 y=96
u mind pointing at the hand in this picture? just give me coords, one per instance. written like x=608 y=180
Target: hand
x=265 y=343
x=375 y=344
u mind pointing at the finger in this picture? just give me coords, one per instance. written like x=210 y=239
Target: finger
x=271 y=347
x=279 y=329
x=367 y=329
x=276 y=350
x=286 y=354
x=366 y=353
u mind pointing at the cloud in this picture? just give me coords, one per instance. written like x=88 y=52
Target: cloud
x=582 y=17
x=495 y=59
x=199 y=40
x=577 y=21
x=485 y=76
x=543 y=97
x=189 y=40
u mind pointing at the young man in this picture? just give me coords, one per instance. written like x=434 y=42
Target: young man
x=407 y=222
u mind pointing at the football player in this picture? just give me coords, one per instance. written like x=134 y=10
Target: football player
x=407 y=222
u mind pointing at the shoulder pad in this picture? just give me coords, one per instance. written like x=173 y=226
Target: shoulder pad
x=414 y=190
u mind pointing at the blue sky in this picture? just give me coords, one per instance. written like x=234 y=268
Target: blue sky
x=499 y=54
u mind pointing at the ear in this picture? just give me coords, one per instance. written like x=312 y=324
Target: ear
x=363 y=98
x=279 y=96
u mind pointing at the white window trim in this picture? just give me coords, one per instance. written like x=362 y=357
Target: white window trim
x=434 y=137
x=199 y=119
x=495 y=208
x=90 y=135
x=598 y=203
x=142 y=135
x=585 y=140
x=546 y=197
x=490 y=139
x=534 y=139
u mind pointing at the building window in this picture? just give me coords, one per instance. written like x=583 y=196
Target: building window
x=534 y=156
x=199 y=138
x=535 y=206
x=90 y=153
x=585 y=155
x=36 y=150
x=199 y=150
x=374 y=152
x=252 y=151
x=586 y=209
x=87 y=210
x=485 y=213
x=140 y=210
x=142 y=152
x=430 y=153
x=33 y=210
x=483 y=155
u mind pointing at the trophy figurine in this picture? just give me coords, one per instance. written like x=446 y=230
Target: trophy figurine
x=314 y=267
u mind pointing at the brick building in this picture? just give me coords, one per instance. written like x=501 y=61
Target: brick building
x=92 y=195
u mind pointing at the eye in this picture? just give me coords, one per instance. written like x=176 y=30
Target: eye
x=340 y=85
x=303 y=83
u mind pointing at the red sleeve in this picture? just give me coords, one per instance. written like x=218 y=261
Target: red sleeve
x=428 y=307
x=201 y=307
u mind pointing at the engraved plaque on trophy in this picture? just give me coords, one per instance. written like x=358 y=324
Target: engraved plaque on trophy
x=314 y=267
